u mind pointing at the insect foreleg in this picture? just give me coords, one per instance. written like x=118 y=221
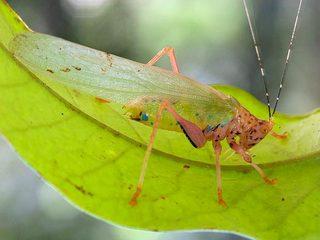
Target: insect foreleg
x=217 y=150
x=166 y=51
x=246 y=157
x=192 y=131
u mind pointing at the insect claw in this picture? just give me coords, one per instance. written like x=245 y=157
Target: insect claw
x=220 y=199
x=133 y=202
x=222 y=203
x=269 y=181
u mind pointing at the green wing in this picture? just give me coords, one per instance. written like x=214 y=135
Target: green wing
x=117 y=79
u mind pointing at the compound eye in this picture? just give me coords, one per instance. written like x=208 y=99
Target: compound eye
x=144 y=116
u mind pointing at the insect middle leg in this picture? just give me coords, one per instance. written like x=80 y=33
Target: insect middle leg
x=246 y=157
x=217 y=149
x=166 y=51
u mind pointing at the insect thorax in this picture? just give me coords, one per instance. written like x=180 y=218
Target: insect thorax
x=250 y=129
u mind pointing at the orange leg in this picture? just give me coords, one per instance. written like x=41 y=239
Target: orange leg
x=237 y=148
x=193 y=131
x=217 y=149
x=166 y=51
x=135 y=196
x=279 y=136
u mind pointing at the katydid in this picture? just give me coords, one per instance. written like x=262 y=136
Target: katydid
x=154 y=96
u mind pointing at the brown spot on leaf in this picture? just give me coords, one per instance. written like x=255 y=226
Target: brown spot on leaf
x=245 y=171
x=109 y=56
x=109 y=59
x=77 y=68
x=66 y=69
x=116 y=134
x=102 y=100
x=80 y=188
x=163 y=197
x=186 y=166
x=50 y=70
x=77 y=93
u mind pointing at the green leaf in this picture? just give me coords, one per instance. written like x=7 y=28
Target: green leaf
x=92 y=155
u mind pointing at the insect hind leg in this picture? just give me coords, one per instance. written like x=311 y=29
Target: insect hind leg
x=166 y=51
x=146 y=157
x=193 y=132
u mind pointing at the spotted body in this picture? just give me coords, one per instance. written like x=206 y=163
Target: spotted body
x=242 y=123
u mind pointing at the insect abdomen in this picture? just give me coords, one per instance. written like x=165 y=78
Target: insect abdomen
x=144 y=110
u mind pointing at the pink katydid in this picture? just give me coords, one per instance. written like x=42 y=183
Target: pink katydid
x=154 y=96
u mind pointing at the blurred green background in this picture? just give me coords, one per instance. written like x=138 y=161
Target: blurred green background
x=213 y=45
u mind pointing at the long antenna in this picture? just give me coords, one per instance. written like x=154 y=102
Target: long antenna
x=288 y=57
x=256 y=47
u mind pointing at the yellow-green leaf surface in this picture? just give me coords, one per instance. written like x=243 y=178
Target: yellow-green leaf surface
x=92 y=154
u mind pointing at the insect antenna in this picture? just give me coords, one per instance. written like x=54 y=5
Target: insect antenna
x=284 y=72
x=258 y=54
